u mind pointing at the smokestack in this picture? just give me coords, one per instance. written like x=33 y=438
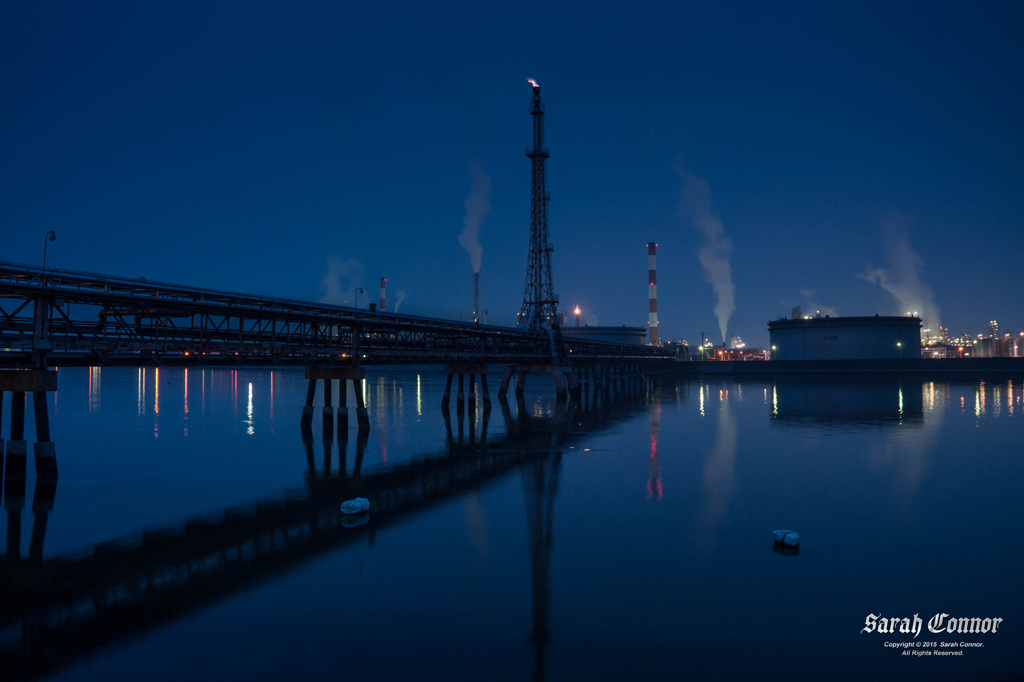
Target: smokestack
x=476 y=296
x=652 y=289
x=383 y=284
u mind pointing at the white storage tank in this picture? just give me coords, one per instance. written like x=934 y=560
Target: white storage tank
x=846 y=338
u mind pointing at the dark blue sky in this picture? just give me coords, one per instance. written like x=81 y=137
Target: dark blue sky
x=856 y=158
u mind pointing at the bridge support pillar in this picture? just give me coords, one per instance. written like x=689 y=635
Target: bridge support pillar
x=328 y=410
x=561 y=374
x=462 y=371
x=343 y=374
x=505 y=379
x=19 y=383
x=307 y=409
x=342 y=409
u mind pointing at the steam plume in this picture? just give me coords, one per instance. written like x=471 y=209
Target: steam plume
x=714 y=254
x=903 y=279
x=399 y=299
x=340 y=278
x=813 y=307
x=478 y=205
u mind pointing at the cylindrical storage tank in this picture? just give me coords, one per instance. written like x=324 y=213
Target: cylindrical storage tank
x=623 y=334
x=846 y=338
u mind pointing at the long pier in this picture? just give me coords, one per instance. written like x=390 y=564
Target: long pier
x=66 y=317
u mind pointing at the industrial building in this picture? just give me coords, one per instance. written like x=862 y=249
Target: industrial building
x=845 y=338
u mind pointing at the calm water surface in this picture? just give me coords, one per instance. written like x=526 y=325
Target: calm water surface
x=620 y=543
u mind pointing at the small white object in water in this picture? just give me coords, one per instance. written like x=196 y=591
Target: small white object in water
x=789 y=538
x=358 y=505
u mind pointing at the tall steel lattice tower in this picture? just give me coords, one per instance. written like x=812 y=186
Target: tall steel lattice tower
x=540 y=305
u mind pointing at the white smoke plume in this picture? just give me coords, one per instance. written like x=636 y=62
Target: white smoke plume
x=903 y=280
x=398 y=301
x=812 y=307
x=478 y=205
x=714 y=254
x=340 y=280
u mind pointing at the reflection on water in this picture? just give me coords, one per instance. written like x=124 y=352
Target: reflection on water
x=850 y=401
x=95 y=376
x=654 y=482
x=570 y=527
x=87 y=599
x=719 y=466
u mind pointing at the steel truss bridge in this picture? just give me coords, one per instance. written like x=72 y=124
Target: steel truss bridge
x=64 y=317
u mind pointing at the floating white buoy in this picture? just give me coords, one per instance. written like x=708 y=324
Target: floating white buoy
x=359 y=505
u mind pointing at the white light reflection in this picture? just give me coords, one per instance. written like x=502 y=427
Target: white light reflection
x=775 y=401
x=142 y=391
x=901 y=403
x=381 y=413
x=419 y=397
x=94 y=389
x=702 y=400
x=156 y=403
x=248 y=412
x=185 y=424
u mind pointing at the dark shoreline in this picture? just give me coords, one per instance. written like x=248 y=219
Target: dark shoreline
x=915 y=366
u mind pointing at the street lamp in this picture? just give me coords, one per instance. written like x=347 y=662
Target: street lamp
x=577 y=316
x=899 y=344
x=355 y=296
x=50 y=236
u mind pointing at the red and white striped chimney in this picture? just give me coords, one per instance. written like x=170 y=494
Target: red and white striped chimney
x=383 y=282
x=652 y=290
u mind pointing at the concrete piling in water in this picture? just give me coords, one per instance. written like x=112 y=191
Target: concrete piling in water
x=342 y=409
x=472 y=371
x=307 y=409
x=352 y=374
x=19 y=383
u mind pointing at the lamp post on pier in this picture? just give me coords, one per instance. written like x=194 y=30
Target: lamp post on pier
x=355 y=296
x=50 y=236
